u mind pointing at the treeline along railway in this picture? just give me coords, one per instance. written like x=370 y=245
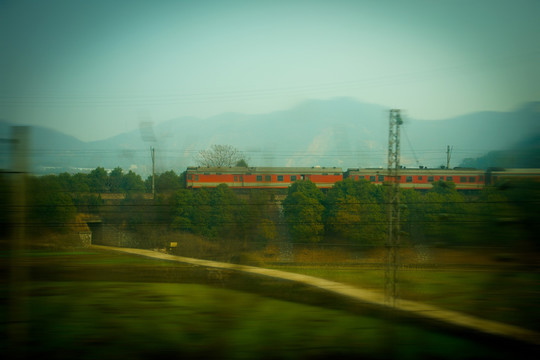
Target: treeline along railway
x=258 y=205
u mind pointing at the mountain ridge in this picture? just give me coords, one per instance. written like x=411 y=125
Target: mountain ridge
x=337 y=132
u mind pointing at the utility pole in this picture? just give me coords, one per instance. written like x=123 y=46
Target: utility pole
x=153 y=152
x=448 y=155
x=147 y=134
x=393 y=213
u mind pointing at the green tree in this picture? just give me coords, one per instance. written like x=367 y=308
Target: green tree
x=132 y=183
x=183 y=213
x=303 y=212
x=202 y=212
x=259 y=215
x=50 y=206
x=168 y=181
x=210 y=212
x=97 y=180
x=115 y=180
x=524 y=197
x=446 y=216
x=509 y=215
x=224 y=210
x=413 y=216
x=241 y=163
x=80 y=183
x=65 y=181
x=353 y=213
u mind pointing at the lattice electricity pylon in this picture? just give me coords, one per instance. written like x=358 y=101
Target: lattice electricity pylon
x=392 y=243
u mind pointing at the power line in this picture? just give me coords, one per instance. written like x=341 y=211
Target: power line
x=231 y=95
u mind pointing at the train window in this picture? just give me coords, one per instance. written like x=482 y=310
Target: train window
x=267 y=178
x=380 y=178
x=241 y=178
x=325 y=173
x=449 y=178
x=190 y=177
x=408 y=179
x=280 y=178
x=399 y=178
x=259 y=177
x=430 y=179
x=337 y=174
x=236 y=178
x=481 y=178
x=372 y=178
x=420 y=178
x=462 y=179
x=472 y=179
x=293 y=177
x=206 y=173
x=196 y=177
x=218 y=173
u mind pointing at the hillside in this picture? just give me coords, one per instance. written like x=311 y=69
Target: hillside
x=338 y=132
x=525 y=154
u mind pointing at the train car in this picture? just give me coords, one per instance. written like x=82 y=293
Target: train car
x=465 y=179
x=495 y=176
x=261 y=177
x=423 y=178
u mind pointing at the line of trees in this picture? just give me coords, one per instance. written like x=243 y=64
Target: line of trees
x=117 y=181
x=355 y=212
x=53 y=201
x=219 y=212
x=351 y=212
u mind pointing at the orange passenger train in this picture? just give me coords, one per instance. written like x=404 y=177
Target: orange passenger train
x=261 y=177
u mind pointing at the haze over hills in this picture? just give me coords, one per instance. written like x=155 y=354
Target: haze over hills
x=338 y=132
x=525 y=154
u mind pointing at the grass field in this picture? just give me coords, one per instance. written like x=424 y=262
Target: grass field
x=506 y=295
x=90 y=305
x=473 y=281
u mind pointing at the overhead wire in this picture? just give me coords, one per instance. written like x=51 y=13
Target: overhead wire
x=250 y=94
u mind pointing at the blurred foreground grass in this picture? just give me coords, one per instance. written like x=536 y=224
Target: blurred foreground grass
x=506 y=294
x=109 y=306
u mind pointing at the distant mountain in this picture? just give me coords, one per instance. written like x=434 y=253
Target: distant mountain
x=525 y=154
x=472 y=135
x=48 y=148
x=338 y=132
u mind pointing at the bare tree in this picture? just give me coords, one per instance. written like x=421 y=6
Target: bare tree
x=220 y=156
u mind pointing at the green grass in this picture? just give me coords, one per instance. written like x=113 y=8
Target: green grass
x=88 y=320
x=509 y=296
x=109 y=306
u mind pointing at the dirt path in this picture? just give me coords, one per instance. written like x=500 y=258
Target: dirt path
x=413 y=308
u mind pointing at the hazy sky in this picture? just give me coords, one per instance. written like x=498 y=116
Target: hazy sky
x=95 y=68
